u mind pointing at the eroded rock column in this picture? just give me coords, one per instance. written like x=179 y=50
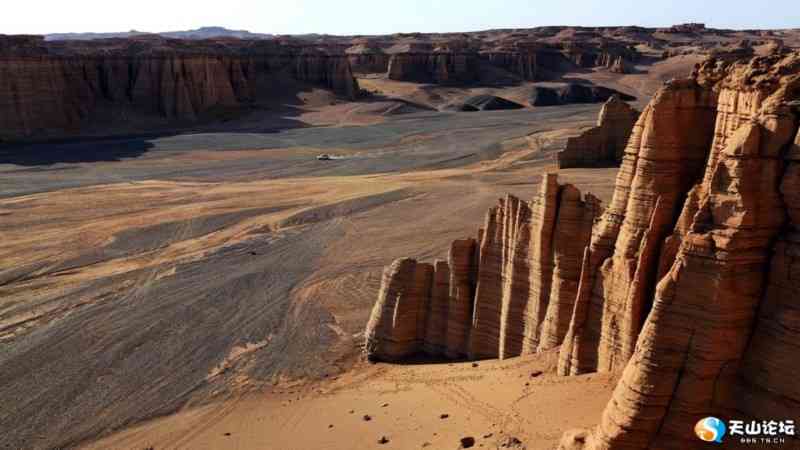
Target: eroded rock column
x=463 y=261
x=663 y=159
x=396 y=328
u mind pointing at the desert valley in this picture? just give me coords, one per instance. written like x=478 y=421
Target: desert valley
x=545 y=238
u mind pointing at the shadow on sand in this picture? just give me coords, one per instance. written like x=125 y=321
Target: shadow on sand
x=252 y=118
x=78 y=152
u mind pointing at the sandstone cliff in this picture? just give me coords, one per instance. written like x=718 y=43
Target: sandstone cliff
x=368 y=57
x=56 y=89
x=687 y=285
x=604 y=144
x=491 y=298
x=717 y=338
x=434 y=67
x=526 y=60
x=610 y=55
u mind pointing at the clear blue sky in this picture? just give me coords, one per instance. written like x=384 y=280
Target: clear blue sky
x=382 y=17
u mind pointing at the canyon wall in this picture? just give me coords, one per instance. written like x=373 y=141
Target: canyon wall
x=604 y=144
x=687 y=285
x=718 y=339
x=531 y=61
x=613 y=56
x=56 y=89
x=369 y=62
x=434 y=67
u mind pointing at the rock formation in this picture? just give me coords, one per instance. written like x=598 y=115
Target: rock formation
x=614 y=56
x=368 y=57
x=488 y=300
x=483 y=103
x=525 y=59
x=688 y=286
x=604 y=144
x=717 y=338
x=573 y=93
x=52 y=89
x=434 y=67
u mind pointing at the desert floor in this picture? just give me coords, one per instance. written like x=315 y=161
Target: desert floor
x=497 y=403
x=221 y=280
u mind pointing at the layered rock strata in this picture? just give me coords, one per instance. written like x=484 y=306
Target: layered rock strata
x=604 y=144
x=527 y=60
x=719 y=338
x=492 y=298
x=368 y=57
x=434 y=67
x=52 y=89
x=688 y=286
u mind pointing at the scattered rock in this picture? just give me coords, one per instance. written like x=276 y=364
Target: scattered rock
x=444 y=416
x=511 y=442
x=367 y=417
x=467 y=442
x=573 y=440
x=536 y=373
x=383 y=440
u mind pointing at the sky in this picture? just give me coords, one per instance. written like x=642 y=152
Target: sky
x=384 y=17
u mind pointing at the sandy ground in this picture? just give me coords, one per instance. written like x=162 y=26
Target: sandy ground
x=221 y=280
x=412 y=406
x=128 y=300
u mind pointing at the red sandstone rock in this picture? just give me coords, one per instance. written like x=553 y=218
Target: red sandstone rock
x=396 y=328
x=435 y=341
x=436 y=67
x=46 y=93
x=500 y=299
x=505 y=241
x=720 y=338
x=463 y=261
x=573 y=231
x=604 y=144
x=664 y=157
x=690 y=281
